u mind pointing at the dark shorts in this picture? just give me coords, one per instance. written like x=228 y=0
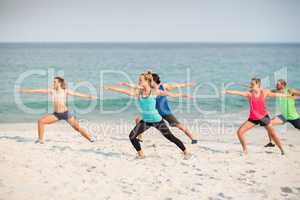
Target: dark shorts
x=294 y=122
x=171 y=119
x=262 y=122
x=64 y=115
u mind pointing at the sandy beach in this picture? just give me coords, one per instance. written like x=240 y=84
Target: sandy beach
x=203 y=66
x=69 y=167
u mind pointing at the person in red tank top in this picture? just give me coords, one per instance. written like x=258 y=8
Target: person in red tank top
x=257 y=106
x=258 y=114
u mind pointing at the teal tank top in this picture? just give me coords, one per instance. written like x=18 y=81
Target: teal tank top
x=148 y=109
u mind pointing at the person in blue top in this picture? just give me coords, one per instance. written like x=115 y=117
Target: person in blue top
x=146 y=93
x=163 y=108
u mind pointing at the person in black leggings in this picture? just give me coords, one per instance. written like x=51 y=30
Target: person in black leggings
x=161 y=126
x=150 y=115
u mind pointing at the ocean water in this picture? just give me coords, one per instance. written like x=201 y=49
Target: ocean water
x=88 y=66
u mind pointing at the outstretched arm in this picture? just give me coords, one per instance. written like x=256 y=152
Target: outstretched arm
x=121 y=90
x=34 y=91
x=170 y=94
x=270 y=93
x=294 y=92
x=77 y=94
x=169 y=86
x=129 y=85
x=235 y=92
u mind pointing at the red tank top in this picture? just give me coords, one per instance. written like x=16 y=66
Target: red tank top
x=257 y=106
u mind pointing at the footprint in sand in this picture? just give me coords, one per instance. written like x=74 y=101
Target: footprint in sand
x=127 y=192
x=269 y=152
x=297 y=188
x=287 y=190
x=198 y=169
x=251 y=171
x=199 y=174
x=90 y=168
x=211 y=198
x=223 y=196
x=60 y=148
x=250 y=163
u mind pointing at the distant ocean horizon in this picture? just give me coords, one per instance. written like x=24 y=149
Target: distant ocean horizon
x=210 y=65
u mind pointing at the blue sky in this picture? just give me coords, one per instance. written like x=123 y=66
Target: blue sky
x=152 y=20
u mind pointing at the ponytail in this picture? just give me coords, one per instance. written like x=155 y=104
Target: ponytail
x=148 y=75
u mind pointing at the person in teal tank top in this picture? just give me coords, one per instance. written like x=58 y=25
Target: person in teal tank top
x=286 y=106
x=162 y=105
x=148 y=110
x=146 y=95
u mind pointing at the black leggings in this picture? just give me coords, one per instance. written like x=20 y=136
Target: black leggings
x=161 y=126
x=295 y=123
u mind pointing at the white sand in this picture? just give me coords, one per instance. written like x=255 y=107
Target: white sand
x=69 y=167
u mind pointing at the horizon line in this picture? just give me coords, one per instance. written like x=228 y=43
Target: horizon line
x=154 y=42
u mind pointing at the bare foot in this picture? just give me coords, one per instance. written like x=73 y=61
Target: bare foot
x=39 y=141
x=140 y=157
x=140 y=138
x=93 y=139
x=186 y=155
